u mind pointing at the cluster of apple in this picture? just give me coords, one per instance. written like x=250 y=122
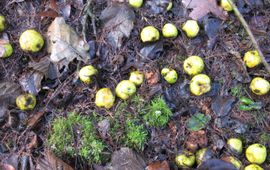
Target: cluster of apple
x=256 y=154
x=30 y=41
x=123 y=90
x=199 y=83
x=193 y=66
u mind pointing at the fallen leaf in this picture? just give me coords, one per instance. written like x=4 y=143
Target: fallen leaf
x=46 y=67
x=64 y=44
x=152 y=51
x=203 y=7
x=51 y=162
x=34 y=119
x=222 y=105
x=118 y=22
x=158 y=6
x=198 y=122
x=164 y=165
x=8 y=92
x=31 y=82
x=125 y=159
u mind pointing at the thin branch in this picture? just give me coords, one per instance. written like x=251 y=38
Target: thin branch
x=246 y=27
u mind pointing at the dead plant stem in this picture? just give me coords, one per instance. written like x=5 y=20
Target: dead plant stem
x=246 y=27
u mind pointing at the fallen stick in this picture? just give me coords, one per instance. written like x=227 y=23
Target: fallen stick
x=246 y=27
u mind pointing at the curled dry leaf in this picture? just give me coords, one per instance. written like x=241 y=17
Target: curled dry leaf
x=203 y=7
x=64 y=44
x=118 y=21
x=8 y=92
x=31 y=82
x=158 y=166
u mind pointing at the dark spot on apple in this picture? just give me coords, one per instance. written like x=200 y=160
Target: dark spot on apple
x=257 y=91
x=38 y=45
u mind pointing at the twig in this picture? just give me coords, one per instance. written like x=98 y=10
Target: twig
x=246 y=27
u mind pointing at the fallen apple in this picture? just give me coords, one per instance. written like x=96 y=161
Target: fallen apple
x=26 y=101
x=149 y=34
x=191 y=28
x=105 y=98
x=169 y=30
x=193 y=65
x=200 y=84
x=225 y=4
x=253 y=167
x=135 y=3
x=252 y=59
x=136 y=77
x=2 y=23
x=31 y=41
x=170 y=75
x=259 y=86
x=86 y=73
x=235 y=145
x=125 y=89
x=256 y=153
x=8 y=50
x=234 y=161
x=203 y=155
x=185 y=159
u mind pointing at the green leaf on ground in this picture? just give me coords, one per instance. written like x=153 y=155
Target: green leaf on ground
x=198 y=122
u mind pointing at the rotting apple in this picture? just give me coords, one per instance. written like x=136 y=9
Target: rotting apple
x=135 y=3
x=252 y=59
x=200 y=84
x=203 y=155
x=185 y=159
x=169 y=30
x=191 y=28
x=234 y=161
x=8 y=50
x=2 y=23
x=256 y=153
x=26 y=101
x=193 y=65
x=105 y=98
x=259 y=86
x=235 y=145
x=125 y=89
x=253 y=167
x=136 y=77
x=225 y=4
x=170 y=75
x=86 y=73
x=31 y=41
x=149 y=34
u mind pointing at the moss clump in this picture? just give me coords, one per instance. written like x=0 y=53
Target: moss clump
x=136 y=134
x=75 y=136
x=157 y=113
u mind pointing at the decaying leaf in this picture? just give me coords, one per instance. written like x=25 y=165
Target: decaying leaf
x=31 y=82
x=158 y=166
x=46 y=67
x=8 y=92
x=118 y=21
x=51 y=162
x=198 y=122
x=2 y=49
x=64 y=44
x=125 y=158
x=203 y=7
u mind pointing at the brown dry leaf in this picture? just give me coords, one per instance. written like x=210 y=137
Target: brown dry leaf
x=203 y=7
x=158 y=166
x=64 y=44
x=51 y=162
x=8 y=92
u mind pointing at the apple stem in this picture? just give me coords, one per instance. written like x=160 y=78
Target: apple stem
x=246 y=27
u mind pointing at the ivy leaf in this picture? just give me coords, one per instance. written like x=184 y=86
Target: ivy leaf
x=198 y=122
